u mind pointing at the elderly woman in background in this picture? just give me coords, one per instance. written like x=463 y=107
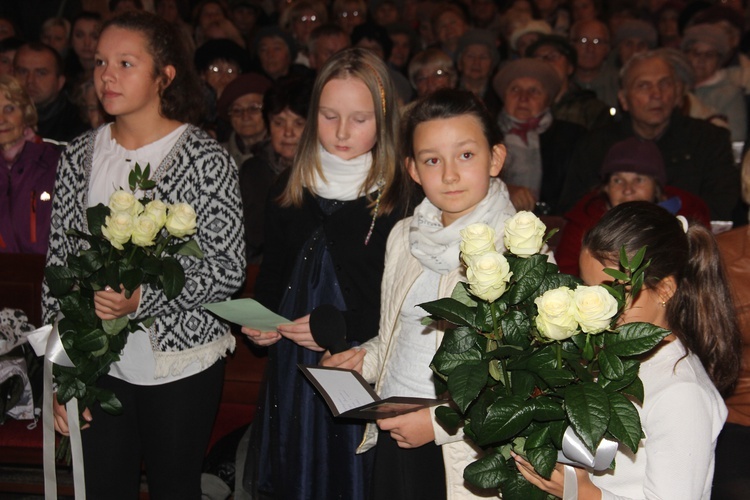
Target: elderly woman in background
x=707 y=48
x=538 y=145
x=300 y=19
x=431 y=70
x=241 y=105
x=285 y=108
x=27 y=174
x=477 y=59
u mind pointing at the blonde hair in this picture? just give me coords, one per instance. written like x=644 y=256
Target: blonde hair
x=14 y=92
x=367 y=67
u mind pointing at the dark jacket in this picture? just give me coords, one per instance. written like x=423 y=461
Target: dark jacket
x=697 y=158
x=60 y=121
x=24 y=208
x=557 y=144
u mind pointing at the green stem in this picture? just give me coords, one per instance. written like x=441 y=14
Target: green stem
x=558 y=351
x=499 y=335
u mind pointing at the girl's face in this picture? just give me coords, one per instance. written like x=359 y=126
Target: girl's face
x=247 y=117
x=54 y=36
x=646 y=307
x=83 y=40
x=11 y=123
x=286 y=130
x=124 y=75
x=347 y=125
x=453 y=162
x=630 y=186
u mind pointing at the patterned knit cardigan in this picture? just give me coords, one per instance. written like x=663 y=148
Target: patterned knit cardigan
x=198 y=171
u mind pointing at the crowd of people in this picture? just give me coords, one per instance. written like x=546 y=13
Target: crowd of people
x=350 y=142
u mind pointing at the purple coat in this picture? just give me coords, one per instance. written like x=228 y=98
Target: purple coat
x=26 y=199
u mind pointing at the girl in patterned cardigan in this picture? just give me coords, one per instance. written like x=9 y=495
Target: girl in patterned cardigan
x=143 y=78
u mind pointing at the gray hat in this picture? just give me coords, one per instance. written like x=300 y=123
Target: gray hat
x=707 y=33
x=479 y=37
x=636 y=28
x=533 y=26
x=527 y=68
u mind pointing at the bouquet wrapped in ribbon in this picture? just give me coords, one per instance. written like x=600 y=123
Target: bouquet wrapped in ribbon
x=536 y=362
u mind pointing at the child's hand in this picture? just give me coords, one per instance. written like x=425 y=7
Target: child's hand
x=299 y=333
x=61 y=417
x=351 y=359
x=410 y=430
x=522 y=198
x=556 y=483
x=262 y=339
x=109 y=304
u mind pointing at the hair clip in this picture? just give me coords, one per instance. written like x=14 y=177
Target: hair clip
x=684 y=223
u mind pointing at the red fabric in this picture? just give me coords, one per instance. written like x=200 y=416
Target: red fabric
x=587 y=212
x=522 y=129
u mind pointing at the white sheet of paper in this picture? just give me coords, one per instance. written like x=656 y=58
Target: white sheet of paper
x=247 y=312
x=344 y=389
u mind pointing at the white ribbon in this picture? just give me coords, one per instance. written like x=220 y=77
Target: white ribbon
x=574 y=452
x=46 y=342
x=570 y=483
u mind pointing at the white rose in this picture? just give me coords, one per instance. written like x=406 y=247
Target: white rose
x=157 y=211
x=145 y=230
x=118 y=228
x=488 y=275
x=594 y=308
x=556 y=319
x=181 y=220
x=524 y=234
x=477 y=239
x=122 y=201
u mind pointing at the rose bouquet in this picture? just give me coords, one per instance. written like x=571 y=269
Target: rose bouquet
x=534 y=358
x=130 y=242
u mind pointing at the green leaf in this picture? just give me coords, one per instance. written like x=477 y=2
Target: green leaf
x=637 y=259
x=148 y=321
x=556 y=377
x=617 y=274
x=60 y=279
x=458 y=340
x=624 y=422
x=634 y=390
x=114 y=326
x=461 y=294
x=503 y=419
x=91 y=341
x=488 y=472
x=527 y=275
x=516 y=326
x=451 y=310
x=69 y=388
x=543 y=458
x=189 y=248
x=445 y=362
x=109 y=402
x=538 y=438
x=518 y=488
x=466 y=382
x=523 y=383
x=96 y=217
x=633 y=339
x=547 y=409
x=587 y=407
x=449 y=417
x=611 y=366
x=173 y=278
x=630 y=374
x=132 y=279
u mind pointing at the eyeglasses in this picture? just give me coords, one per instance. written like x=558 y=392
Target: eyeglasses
x=706 y=56
x=226 y=71
x=351 y=13
x=584 y=40
x=307 y=19
x=437 y=74
x=251 y=110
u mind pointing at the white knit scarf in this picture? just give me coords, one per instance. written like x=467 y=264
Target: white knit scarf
x=342 y=179
x=436 y=246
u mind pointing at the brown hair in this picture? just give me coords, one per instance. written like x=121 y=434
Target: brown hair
x=367 y=67
x=700 y=313
x=15 y=93
x=165 y=45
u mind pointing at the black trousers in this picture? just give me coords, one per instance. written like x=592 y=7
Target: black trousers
x=407 y=474
x=732 y=472
x=166 y=426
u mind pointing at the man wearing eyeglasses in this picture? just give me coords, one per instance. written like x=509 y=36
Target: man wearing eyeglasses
x=592 y=43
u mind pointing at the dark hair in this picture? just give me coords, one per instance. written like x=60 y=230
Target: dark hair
x=12 y=43
x=165 y=45
x=85 y=15
x=43 y=47
x=442 y=104
x=557 y=42
x=220 y=49
x=288 y=92
x=700 y=312
x=371 y=31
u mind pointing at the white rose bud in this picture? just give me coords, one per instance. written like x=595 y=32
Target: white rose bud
x=145 y=230
x=122 y=201
x=594 y=308
x=181 y=220
x=556 y=309
x=118 y=228
x=488 y=275
x=157 y=211
x=524 y=234
x=477 y=239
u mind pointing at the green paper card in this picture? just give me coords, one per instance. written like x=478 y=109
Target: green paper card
x=247 y=312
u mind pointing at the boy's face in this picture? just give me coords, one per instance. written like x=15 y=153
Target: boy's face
x=453 y=162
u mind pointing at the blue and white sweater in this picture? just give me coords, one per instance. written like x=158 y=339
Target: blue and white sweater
x=197 y=171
